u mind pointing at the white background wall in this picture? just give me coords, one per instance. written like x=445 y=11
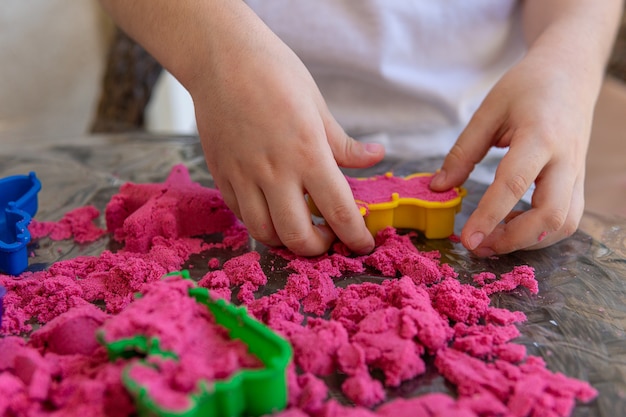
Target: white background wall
x=52 y=56
x=52 y=60
x=170 y=109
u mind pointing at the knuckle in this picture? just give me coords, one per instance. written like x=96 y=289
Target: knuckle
x=457 y=152
x=555 y=219
x=341 y=214
x=460 y=156
x=347 y=147
x=517 y=185
x=299 y=242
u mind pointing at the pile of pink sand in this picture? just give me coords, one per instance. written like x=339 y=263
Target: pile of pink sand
x=420 y=313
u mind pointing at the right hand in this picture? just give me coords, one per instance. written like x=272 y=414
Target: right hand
x=269 y=138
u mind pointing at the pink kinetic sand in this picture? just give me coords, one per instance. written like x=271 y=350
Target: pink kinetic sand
x=77 y=223
x=420 y=312
x=203 y=349
x=176 y=208
x=379 y=188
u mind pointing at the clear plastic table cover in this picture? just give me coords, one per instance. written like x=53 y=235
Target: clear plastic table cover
x=577 y=322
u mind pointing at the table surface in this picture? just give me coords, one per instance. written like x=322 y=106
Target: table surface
x=577 y=323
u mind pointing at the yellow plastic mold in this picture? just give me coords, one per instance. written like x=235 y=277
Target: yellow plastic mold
x=434 y=218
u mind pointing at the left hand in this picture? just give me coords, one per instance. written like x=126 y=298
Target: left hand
x=543 y=114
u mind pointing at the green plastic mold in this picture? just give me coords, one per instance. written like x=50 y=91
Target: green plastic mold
x=249 y=392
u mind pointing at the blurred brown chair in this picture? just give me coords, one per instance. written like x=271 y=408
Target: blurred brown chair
x=129 y=79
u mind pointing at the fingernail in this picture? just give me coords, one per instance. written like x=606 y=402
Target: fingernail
x=475 y=240
x=438 y=179
x=374 y=148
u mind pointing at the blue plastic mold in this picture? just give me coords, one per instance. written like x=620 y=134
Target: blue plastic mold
x=18 y=204
x=3 y=291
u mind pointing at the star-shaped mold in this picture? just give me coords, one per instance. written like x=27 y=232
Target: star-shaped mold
x=175 y=208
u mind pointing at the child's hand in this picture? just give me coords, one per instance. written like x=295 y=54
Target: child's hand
x=543 y=113
x=269 y=138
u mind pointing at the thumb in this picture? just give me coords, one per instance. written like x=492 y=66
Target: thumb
x=351 y=153
x=470 y=148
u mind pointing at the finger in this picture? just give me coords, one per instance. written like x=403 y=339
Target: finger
x=572 y=220
x=513 y=214
x=349 y=152
x=229 y=197
x=557 y=207
x=333 y=197
x=470 y=148
x=514 y=176
x=292 y=220
x=256 y=216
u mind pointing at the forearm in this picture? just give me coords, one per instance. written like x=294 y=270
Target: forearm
x=184 y=35
x=577 y=35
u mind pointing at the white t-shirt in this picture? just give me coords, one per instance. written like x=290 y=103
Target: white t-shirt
x=405 y=73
